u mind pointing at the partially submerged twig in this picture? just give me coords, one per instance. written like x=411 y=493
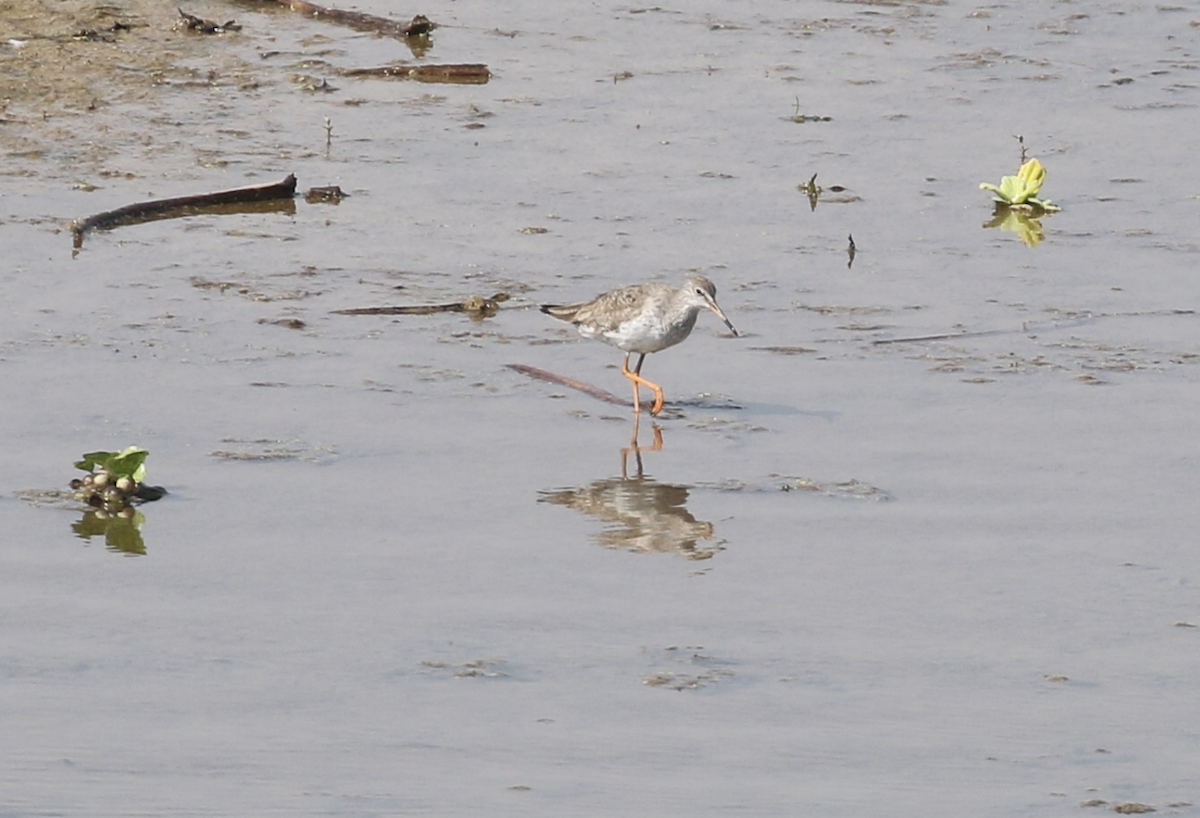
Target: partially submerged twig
x=476 y=306
x=595 y=391
x=182 y=206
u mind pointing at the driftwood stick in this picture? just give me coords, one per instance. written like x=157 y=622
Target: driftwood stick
x=595 y=391
x=182 y=206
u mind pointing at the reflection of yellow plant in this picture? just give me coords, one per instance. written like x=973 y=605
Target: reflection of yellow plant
x=1023 y=188
x=1027 y=227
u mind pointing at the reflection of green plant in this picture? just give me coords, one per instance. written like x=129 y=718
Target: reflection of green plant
x=1022 y=189
x=1027 y=227
x=120 y=532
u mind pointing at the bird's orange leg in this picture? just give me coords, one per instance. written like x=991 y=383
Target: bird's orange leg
x=637 y=405
x=636 y=377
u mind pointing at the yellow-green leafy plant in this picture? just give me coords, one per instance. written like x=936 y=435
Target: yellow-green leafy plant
x=1022 y=190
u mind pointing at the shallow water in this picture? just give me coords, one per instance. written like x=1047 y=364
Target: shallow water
x=864 y=575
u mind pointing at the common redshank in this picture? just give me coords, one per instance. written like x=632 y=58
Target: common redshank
x=643 y=318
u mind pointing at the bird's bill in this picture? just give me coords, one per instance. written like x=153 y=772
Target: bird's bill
x=712 y=305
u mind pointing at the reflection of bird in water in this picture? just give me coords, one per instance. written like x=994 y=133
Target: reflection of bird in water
x=643 y=516
x=644 y=318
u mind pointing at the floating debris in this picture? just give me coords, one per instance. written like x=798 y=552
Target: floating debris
x=848 y=489
x=713 y=670
x=845 y=490
x=190 y=22
x=331 y=194
x=800 y=118
x=101 y=35
x=479 y=669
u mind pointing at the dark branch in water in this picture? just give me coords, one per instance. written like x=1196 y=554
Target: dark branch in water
x=183 y=206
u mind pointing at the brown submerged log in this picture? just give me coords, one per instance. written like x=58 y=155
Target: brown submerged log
x=459 y=73
x=184 y=206
x=418 y=27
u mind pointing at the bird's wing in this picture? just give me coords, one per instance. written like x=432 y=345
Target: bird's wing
x=608 y=312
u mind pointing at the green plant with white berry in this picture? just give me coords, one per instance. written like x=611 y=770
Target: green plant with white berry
x=113 y=480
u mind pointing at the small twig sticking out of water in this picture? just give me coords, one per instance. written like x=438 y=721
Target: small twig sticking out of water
x=1021 y=139
x=850 y=251
x=328 y=133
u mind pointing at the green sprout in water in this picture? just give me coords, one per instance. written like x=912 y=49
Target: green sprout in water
x=1021 y=190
